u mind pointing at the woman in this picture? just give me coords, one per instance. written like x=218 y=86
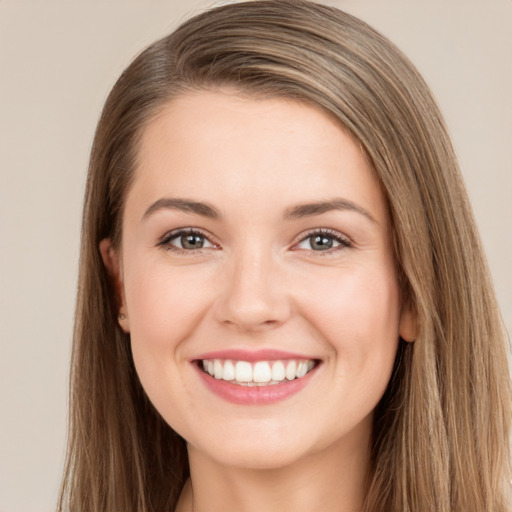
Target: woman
x=283 y=301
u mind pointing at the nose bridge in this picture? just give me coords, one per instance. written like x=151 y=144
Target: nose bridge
x=252 y=295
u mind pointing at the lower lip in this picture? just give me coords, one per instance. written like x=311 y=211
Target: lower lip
x=254 y=395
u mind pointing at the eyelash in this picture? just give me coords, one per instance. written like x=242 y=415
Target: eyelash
x=343 y=241
x=165 y=241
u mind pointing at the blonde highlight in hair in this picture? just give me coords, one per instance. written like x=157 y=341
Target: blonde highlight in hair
x=441 y=429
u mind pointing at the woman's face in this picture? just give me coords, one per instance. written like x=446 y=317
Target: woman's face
x=258 y=279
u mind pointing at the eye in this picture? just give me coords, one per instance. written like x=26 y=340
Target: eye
x=186 y=240
x=323 y=241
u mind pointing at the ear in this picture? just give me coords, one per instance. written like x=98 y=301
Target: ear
x=408 y=328
x=112 y=263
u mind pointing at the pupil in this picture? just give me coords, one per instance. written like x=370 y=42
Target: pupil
x=192 y=241
x=320 y=242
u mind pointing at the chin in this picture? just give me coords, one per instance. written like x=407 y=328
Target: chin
x=254 y=456
x=268 y=445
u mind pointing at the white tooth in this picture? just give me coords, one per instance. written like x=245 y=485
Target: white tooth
x=243 y=371
x=211 y=370
x=310 y=365
x=302 y=369
x=278 y=373
x=291 y=368
x=229 y=371
x=217 y=369
x=262 y=372
x=205 y=365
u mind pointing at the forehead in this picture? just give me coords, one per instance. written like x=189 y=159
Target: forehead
x=220 y=145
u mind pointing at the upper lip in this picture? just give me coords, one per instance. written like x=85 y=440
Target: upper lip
x=252 y=355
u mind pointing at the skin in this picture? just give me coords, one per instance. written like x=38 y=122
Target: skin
x=257 y=283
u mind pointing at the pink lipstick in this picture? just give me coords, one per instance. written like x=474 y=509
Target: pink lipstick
x=257 y=377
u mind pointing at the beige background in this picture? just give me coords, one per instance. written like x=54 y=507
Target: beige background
x=58 y=60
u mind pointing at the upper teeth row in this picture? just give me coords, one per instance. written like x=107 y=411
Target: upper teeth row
x=261 y=372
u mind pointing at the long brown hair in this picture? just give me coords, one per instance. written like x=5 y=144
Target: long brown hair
x=441 y=430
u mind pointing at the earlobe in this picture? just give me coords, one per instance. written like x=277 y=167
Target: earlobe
x=408 y=328
x=112 y=264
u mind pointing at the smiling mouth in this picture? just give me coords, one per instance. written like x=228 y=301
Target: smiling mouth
x=258 y=373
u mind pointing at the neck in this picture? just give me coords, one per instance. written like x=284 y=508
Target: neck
x=332 y=480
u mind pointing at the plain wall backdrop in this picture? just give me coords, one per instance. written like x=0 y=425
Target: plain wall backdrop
x=58 y=60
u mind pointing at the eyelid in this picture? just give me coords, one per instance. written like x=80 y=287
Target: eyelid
x=165 y=240
x=343 y=240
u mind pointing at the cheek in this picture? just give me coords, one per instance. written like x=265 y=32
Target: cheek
x=164 y=305
x=357 y=315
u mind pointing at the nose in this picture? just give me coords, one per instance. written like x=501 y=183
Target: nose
x=252 y=294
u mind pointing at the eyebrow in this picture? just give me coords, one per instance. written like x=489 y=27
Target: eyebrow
x=184 y=205
x=295 y=212
x=311 y=209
